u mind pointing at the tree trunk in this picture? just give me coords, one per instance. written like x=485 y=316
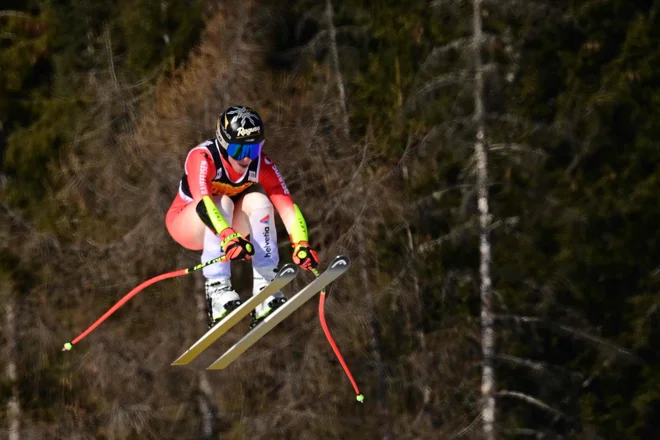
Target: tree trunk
x=375 y=344
x=205 y=404
x=13 y=404
x=334 y=54
x=487 y=316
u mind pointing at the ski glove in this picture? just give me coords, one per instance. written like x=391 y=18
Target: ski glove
x=235 y=246
x=304 y=256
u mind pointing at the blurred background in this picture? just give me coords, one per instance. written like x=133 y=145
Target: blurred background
x=491 y=168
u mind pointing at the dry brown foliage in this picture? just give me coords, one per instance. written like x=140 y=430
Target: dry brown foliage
x=118 y=382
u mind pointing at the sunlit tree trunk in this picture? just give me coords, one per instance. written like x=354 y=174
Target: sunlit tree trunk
x=487 y=315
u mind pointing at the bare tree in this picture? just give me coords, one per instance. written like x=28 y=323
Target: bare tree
x=472 y=77
x=487 y=313
x=483 y=76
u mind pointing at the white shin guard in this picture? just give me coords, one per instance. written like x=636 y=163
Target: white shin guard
x=263 y=235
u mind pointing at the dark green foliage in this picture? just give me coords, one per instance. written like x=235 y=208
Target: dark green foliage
x=75 y=50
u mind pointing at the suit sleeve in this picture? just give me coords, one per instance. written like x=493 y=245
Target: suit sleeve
x=200 y=170
x=273 y=183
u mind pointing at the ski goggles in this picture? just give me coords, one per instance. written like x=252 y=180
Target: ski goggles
x=241 y=151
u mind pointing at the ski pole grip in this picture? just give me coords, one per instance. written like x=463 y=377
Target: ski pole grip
x=318 y=274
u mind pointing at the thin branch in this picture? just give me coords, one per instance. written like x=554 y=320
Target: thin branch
x=521 y=148
x=538 y=367
x=507 y=222
x=525 y=431
x=11 y=13
x=441 y=51
x=463 y=76
x=440 y=81
x=401 y=163
x=533 y=127
x=437 y=195
x=534 y=402
x=458 y=44
x=111 y=59
x=468 y=428
x=360 y=165
x=604 y=366
x=429 y=245
x=580 y=334
x=445 y=129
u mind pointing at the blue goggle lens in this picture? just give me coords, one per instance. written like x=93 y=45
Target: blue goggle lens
x=241 y=151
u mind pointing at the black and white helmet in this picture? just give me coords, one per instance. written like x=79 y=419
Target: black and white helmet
x=239 y=125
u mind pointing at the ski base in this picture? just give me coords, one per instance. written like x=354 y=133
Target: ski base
x=286 y=274
x=337 y=267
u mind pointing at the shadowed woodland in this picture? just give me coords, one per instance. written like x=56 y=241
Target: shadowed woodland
x=491 y=168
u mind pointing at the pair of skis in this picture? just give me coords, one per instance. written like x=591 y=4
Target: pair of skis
x=287 y=273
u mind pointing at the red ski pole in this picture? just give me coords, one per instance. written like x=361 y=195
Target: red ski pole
x=359 y=396
x=177 y=273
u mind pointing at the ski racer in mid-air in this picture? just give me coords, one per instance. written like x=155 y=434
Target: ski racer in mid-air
x=225 y=206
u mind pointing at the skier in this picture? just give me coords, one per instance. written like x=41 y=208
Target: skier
x=225 y=206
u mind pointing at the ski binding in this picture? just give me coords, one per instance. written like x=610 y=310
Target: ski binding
x=286 y=274
x=337 y=267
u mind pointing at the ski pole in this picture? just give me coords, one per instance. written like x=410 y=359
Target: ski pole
x=359 y=397
x=69 y=345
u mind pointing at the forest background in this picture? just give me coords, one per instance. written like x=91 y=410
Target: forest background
x=491 y=168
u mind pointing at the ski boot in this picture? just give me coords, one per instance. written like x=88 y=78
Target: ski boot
x=221 y=299
x=262 y=278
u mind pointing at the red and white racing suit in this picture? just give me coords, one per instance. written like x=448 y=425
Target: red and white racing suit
x=239 y=199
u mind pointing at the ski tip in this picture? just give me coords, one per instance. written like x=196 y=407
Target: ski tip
x=340 y=260
x=360 y=398
x=288 y=270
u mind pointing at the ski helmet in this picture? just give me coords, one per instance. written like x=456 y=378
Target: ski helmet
x=240 y=131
